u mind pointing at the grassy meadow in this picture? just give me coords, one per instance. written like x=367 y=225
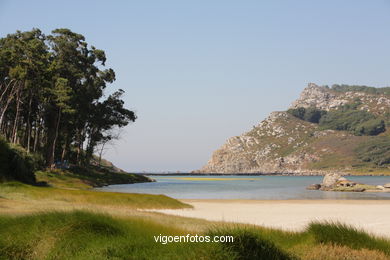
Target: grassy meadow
x=86 y=235
x=57 y=223
x=48 y=197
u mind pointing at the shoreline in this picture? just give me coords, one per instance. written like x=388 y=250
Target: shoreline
x=292 y=215
x=261 y=174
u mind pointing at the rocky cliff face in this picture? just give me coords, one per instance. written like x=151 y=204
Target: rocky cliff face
x=283 y=143
x=325 y=98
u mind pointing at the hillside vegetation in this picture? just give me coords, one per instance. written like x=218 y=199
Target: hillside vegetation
x=360 y=88
x=16 y=163
x=345 y=118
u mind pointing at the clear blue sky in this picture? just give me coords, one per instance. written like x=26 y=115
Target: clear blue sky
x=198 y=72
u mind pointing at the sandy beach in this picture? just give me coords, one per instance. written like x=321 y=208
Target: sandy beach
x=294 y=215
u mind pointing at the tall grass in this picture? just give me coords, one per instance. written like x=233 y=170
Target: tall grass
x=251 y=244
x=82 y=235
x=345 y=235
x=85 y=235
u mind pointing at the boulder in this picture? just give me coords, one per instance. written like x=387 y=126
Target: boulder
x=380 y=187
x=313 y=187
x=387 y=185
x=359 y=189
x=330 y=179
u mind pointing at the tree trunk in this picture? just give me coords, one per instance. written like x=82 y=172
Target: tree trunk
x=64 y=149
x=100 y=153
x=36 y=137
x=29 y=124
x=16 y=120
x=53 y=148
x=9 y=99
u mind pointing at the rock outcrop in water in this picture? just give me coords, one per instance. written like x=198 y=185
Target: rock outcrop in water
x=335 y=182
x=285 y=144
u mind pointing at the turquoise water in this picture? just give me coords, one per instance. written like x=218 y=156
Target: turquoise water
x=247 y=187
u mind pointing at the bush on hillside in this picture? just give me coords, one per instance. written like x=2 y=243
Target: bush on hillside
x=16 y=163
x=370 y=127
x=376 y=151
x=358 y=122
x=345 y=118
x=310 y=114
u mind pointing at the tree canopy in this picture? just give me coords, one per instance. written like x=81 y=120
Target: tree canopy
x=345 y=118
x=52 y=95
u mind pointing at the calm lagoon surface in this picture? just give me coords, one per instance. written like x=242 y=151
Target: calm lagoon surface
x=247 y=187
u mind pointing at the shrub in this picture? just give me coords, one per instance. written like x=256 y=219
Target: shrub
x=344 y=119
x=376 y=151
x=347 y=118
x=370 y=127
x=297 y=112
x=16 y=163
x=310 y=114
x=313 y=115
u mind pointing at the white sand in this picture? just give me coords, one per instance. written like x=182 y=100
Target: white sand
x=372 y=216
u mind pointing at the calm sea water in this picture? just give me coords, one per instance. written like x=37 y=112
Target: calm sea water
x=247 y=187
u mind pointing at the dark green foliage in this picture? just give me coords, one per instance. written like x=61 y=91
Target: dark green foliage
x=340 y=234
x=101 y=176
x=52 y=98
x=345 y=118
x=311 y=114
x=366 y=89
x=370 y=127
x=297 y=112
x=376 y=151
x=16 y=163
x=358 y=122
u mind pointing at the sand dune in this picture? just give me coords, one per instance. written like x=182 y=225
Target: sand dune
x=372 y=216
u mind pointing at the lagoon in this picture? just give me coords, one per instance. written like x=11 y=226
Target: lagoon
x=248 y=187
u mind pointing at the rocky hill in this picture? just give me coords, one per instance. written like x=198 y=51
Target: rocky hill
x=284 y=143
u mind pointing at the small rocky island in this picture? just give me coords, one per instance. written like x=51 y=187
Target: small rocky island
x=335 y=182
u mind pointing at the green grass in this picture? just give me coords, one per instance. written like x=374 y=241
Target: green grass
x=87 y=177
x=86 y=235
x=23 y=192
x=82 y=235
